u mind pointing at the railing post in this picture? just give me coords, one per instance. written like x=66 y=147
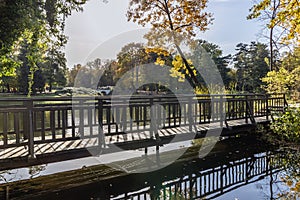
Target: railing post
x=190 y=120
x=152 y=117
x=285 y=101
x=81 y=118
x=221 y=111
x=101 y=137
x=124 y=116
x=247 y=112
x=267 y=106
x=212 y=109
x=29 y=124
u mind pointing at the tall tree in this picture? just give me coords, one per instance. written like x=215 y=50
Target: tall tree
x=251 y=65
x=276 y=30
x=72 y=74
x=171 y=20
x=40 y=22
x=54 y=68
x=130 y=57
x=221 y=61
x=284 y=13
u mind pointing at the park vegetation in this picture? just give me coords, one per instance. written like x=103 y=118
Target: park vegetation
x=32 y=56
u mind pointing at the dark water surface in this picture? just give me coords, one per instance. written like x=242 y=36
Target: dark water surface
x=237 y=169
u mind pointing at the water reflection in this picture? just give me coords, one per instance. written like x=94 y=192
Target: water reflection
x=290 y=159
x=237 y=169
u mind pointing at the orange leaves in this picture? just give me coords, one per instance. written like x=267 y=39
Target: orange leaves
x=177 y=15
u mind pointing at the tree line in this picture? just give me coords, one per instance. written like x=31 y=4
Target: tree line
x=32 y=45
x=242 y=71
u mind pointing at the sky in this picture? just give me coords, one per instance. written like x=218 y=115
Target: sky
x=102 y=29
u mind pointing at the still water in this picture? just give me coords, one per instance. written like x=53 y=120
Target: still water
x=236 y=169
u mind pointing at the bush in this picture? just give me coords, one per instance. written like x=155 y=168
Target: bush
x=287 y=125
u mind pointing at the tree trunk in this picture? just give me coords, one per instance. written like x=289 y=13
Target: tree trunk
x=271 y=50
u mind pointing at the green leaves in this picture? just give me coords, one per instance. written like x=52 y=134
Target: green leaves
x=37 y=26
x=287 y=78
x=251 y=66
x=287 y=125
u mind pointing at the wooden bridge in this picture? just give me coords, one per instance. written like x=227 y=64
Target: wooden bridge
x=72 y=127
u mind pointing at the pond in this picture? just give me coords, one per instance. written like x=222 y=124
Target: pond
x=237 y=168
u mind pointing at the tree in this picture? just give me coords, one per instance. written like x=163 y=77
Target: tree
x=287 y=78
x=30 y=80
x=171 y=20
x=285 y=13
x=102 y=72
x=130 y=57
x=276 y=32
x=40 y=22
x=108 y=77
x=222 y=62
x=72 y=73
x=54 y=68
x=251 y=65
x=16 y=16
x=93 y=74
x=281 y=81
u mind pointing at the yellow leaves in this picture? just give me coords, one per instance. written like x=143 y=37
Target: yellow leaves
x=297 y=186
x=180 y=70
x=179 y=64
x=289 y=183
x=160 y=61
x=158 y=51
x=176 y=15
x=281 y=13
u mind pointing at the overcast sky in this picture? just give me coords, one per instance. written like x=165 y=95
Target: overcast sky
x=102 y=28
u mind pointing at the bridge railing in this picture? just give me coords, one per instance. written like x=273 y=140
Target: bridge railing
x=29 y=121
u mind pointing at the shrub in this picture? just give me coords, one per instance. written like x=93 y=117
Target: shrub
x=287 y=125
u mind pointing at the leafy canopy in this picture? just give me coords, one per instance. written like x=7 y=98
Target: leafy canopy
x=287 y=17
x=179 y=16
x=38 y=26
x=287 y=78
x=172 y=23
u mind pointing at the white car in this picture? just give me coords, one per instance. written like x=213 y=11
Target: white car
x=105 y=90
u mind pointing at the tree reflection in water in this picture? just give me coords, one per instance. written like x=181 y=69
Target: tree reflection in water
x=290 y=159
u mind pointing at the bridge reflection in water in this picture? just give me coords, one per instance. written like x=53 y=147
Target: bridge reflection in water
x=233 y=163
x=207 y=183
